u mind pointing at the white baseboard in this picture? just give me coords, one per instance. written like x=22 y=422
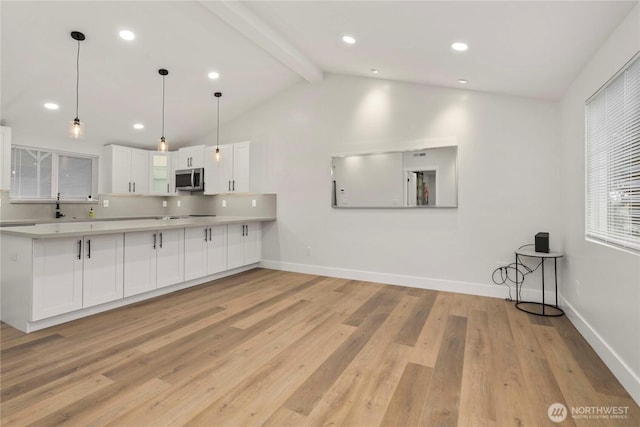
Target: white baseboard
x=486 y=290
x=623 y=372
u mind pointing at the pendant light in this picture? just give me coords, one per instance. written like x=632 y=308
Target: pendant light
x=218 y=95
x=162 y=145
x=76 y=125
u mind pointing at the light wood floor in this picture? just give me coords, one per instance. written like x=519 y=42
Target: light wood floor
x=284 y=349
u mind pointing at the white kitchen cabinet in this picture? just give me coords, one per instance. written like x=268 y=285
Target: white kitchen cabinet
x=191 y=157
x=57 y=277
x=153 y=259
x=125 y=170
x=237 y=171
x=102 y=279
x=159 y=173
x=244 y=244
x=5 y=157
x=76 y=272
x=205 y=251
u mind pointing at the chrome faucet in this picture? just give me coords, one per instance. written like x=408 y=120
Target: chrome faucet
x=58 y=213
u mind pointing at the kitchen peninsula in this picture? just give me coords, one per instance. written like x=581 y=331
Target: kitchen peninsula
x=56 y=272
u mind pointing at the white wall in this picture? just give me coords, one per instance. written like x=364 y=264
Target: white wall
x=601 y=285
x=508 y=180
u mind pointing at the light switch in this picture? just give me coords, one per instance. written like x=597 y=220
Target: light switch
x=224 y=203
x=178 y=203
x=105 y=203
x=253 y=203
x=164 y=203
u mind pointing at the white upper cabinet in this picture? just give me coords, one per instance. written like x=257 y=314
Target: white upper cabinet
x=5 y=157
x=125 y=170
x=191 y=157
x=237 y=171
x=160 y=173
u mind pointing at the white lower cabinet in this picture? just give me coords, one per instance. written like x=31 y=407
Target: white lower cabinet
x=244 y=244
x=75 y=272
x=153 y=259
x=103 y=268
x=205 y=251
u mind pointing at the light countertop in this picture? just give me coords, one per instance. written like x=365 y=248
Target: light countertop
x=70 y=229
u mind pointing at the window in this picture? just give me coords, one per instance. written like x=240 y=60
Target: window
x=39 y=175
x=613 y=160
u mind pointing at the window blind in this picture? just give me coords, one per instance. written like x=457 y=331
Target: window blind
x=612 y=199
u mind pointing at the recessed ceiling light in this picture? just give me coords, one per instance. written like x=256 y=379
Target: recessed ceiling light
x=213 y=75
x=459 y=46
x=127 y=35
x=348 y=39
x=138 y=126
x=463 y=81
x=51 y=106
x=374 y=71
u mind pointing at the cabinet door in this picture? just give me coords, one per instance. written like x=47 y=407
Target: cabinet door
x=253 y=243
x=241 y=165
x=170 y=268
x=5 y=157
x=211 y=172
x=195 y=252
x=140 y=262
x=184 y=159
x=225 y=169
x=217 y=249
x=121 y=170
x=57 y=277
x=191 y=157
x=139 y=171
x=235 y=242
x=103 y=278
x=159 y=173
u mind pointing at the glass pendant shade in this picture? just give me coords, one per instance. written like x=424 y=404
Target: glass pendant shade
x=76 y=129
x=162 y=145
x=218 y=95
x=217 y=154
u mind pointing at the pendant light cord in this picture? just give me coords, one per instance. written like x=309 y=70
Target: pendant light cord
x=218 y=127
x=163 y=106
x=77 y=78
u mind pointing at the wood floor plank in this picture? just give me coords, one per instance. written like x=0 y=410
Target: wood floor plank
x=477 y=399
x=428 y=343
x=275 y=348
x=441 y=405
x=405 y=407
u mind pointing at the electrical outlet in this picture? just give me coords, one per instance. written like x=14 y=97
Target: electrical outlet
x=253 y=203
x=224 y=203
x=178 y=203
x=164 y=203
x=105 y=203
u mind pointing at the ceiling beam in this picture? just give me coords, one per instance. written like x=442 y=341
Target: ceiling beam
x=257 y=31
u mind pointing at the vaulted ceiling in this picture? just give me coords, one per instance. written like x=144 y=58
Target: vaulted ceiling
x=260 y=48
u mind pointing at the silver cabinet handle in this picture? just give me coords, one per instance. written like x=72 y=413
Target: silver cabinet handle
x=167 y=187
x=161 y=239
x=134 y=187
x=229 y=185
x=233 y=187
x=154 y=240
x=205 y=234
x=79 y=249
x=89 y=248
x=129 y=187
x=209 y=233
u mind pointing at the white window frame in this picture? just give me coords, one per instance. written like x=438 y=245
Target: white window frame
x=54 y=177
x=612 y=161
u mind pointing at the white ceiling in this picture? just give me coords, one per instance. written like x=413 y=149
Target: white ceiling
x=532 y=49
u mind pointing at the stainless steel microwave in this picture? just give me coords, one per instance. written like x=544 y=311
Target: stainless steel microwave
x=190 y=179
